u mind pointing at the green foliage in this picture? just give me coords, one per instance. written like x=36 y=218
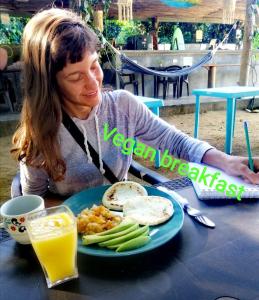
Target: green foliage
x=165 y=30
x=121 y=30
x=128 y=28
x=147 y=24
x=255 y=44
x=85 y=8
x=164 y=40
x=210 y=31
x=104 y=4
x=12 y=33
x=112 y=29
x=216 y=31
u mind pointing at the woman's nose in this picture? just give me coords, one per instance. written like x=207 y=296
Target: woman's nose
x=91 y=81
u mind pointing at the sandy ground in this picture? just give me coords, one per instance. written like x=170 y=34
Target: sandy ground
x=212 y=130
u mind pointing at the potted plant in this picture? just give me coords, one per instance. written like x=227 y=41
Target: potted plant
x=164 y=43
x=127 y=29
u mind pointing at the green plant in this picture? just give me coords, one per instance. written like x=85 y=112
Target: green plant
x=255 y=44
x=12 y=33
x=164 y=40
x=147 y=24
x=85 y=8
x=165 y=29
x=210 y=31
x=100 y=5
x=128 y=28
x=112 y=29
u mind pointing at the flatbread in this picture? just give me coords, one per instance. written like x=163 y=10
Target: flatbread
x=148 y=210
x=116 y=195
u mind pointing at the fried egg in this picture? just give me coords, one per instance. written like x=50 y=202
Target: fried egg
x=148 y=210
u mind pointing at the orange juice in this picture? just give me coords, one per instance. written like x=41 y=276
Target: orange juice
x=54 y=239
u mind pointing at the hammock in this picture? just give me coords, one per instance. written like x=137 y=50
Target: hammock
x=129 y=64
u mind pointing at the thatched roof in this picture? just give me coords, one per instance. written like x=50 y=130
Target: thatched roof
x=30 y=7
x=207 y=11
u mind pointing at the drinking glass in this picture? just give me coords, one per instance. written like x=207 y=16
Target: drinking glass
x=53 y=234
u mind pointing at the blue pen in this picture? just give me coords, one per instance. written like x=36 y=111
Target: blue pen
x=250 y=159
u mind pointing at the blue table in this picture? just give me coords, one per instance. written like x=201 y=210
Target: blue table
x=198 y=263
x=231 y=94
x=153 y=105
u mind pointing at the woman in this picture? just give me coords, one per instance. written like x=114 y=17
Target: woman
x=61 y=71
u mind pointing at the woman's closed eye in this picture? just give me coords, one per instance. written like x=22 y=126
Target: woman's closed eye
x=75 y=77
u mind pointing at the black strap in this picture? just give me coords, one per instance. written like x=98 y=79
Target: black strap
x=79 y=138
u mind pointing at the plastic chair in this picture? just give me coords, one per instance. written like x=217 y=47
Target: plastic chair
x=136 y=169
x=4 y=84
x=212 y=44
x=4 y=92
x=109 y=79
x=166 y=81
x=184 y=80
x=175 y=81
x=160 y=80
x=131 y=80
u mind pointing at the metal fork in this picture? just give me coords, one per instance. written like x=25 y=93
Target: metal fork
x=196 y=214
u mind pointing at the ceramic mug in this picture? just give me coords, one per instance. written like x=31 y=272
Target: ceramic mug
x=14 y=213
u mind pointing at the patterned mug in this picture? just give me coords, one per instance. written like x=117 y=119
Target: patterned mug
x=14 y=213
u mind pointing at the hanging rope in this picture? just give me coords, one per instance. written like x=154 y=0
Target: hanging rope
x=131 y=65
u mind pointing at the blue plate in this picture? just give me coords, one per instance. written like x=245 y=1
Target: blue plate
x=166 y=231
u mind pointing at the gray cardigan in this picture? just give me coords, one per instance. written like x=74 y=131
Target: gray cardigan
x=123 y=111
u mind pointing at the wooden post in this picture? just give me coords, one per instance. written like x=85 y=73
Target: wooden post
x=154 y=32
x=119 y=12
x=124 y=13
x=212 y=76
x=247 y=45
x=128 y=13
x=98 y=19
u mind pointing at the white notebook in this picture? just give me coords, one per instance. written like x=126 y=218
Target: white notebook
x=205 y=192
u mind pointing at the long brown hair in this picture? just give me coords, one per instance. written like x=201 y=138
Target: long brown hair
x=50 y=39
